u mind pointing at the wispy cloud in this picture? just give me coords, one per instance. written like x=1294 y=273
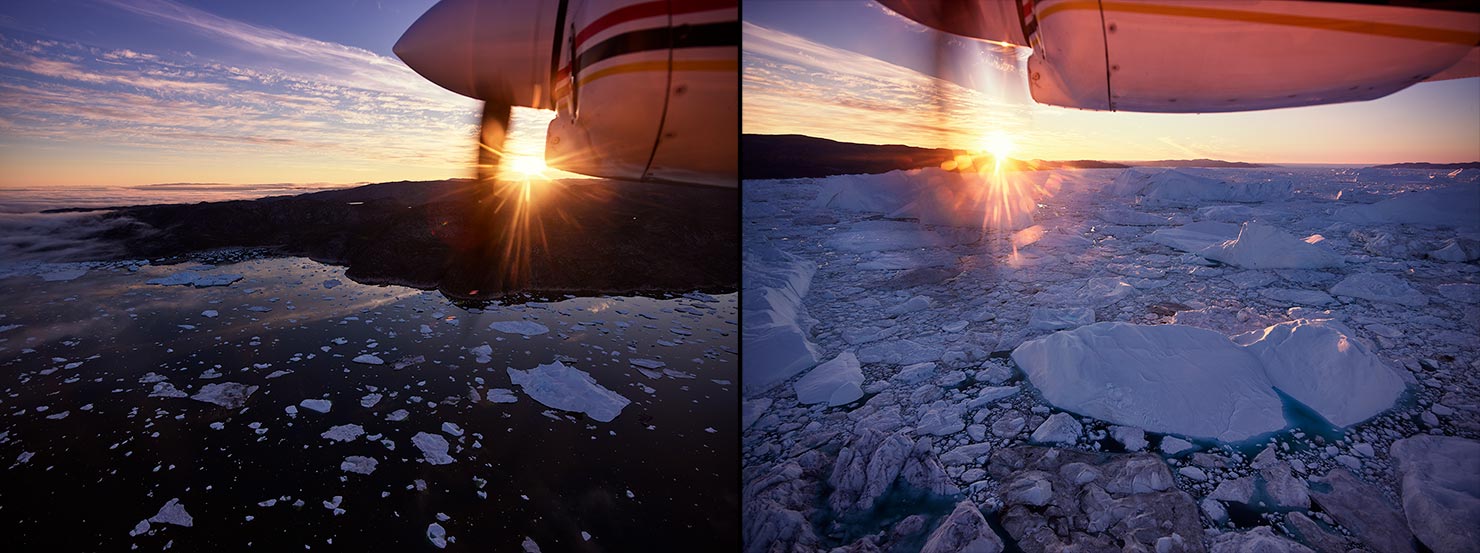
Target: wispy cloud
x=298 y=101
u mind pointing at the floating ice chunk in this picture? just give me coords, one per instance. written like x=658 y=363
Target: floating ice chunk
x=1059 y=428
x=1381 y=287
x=525 y=328
x=1453 y=206
x=165 y=389
x=835 y=382
x=501 y=395
x=344 y=433
x=397 y=415
x=1134 y=439
x=231 y=395
x=358 y=464
x=647 y=363
x=569 y=389
x=1441 y=490
x=331 y=283
x=452 y=429
x=482 y=354
x=1195 y=237
x=368 y=359
x=140 y=528
x=1166 y=378
x=198 y=280
x=433 y=448
x=320 y=405
x=437 y=535
x=173 y=513
x=1319 y=364
x=209 y=313
x=1172 y=445
x=370 y=400
x=1261 y=246
x=1046 y=318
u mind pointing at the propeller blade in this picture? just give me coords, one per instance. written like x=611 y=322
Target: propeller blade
x=493 y=129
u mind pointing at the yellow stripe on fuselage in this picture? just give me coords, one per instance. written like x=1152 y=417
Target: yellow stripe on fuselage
x=1411 y=32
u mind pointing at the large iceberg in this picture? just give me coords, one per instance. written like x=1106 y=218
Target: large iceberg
x=1199 y=383
x=1452 y=206
x=774 y=343
x=1169 y=378
x=1177 y=187
x=1319 y=364
x=934 y=197
x=569 y=389
x=1261 y=246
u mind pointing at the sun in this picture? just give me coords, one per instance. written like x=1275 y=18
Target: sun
x=526 y=166
x=997 y=144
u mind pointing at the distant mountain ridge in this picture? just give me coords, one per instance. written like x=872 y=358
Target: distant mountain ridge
x=1425 y=165
x=786 y=156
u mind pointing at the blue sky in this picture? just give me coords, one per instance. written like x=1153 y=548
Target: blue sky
x=840 y=69
x=120 y=92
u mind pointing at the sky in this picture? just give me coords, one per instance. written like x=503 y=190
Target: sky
x=839 y=69
x=130 y=92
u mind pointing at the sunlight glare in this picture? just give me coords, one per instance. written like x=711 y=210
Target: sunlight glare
x=997 y=144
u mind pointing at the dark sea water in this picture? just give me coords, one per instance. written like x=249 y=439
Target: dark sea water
x=660 y=477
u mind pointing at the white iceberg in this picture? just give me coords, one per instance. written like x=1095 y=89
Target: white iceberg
x=1319 y=364
x=1170 y=378
x=231 y=395
x=835 y=382
x=1441 y=490
x=1452 y=206
x=774 y=342
x=569 y=389
x=524 y=328
x=1261 y=246
x=1380 y=287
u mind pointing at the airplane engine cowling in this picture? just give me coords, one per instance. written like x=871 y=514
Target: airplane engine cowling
x=493 y=50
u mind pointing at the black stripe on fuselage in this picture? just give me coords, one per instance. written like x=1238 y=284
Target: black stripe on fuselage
x=725 y=33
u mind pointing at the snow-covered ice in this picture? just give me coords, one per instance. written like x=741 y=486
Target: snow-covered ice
x=835 y=382
x=524 y=328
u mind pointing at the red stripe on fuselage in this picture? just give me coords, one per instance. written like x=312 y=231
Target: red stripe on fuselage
x=648 y=9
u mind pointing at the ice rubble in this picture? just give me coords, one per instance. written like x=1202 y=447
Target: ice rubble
x=1184 y=380
x=196 y=279
x=1380 y=287
x=931 y=196
x=1452 y=206
x=1441 y=490
x=358 y=464
x=774 y=343
x=835 y=382
x=569 y=389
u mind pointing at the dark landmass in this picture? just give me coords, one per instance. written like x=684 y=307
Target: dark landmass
x=1423 y=165
x=1194 y=163
x=578 y=236
x=789 y=156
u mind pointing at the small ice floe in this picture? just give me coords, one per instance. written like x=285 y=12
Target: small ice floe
x=275 y=374
x=585 y=536
x=59 y=416
x=210 y=313
x=186 y=327
x=482 y=354
x=320 y=405
x=647 y=363
x=71 y=273
x=433 y=447
x=358 y=464
x=370 y=400
x=331 y=283
x=501 y=395
x=529 y=545
x=569 y=389
x=210 y=374
x=198 y=280
x=165 y=389
x=333 y=504
x=452 y=429
x=368 y=359
x=231 y=395
x=437 y=535
x=397 y=415
x=171 y=513
x=525 y=328
x=344 y=433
